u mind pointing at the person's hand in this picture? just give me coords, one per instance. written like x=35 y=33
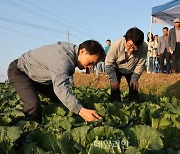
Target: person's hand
x=159 y=53
x=134 y=84
x=170 y=50
x=89 y=115
x=115 y=85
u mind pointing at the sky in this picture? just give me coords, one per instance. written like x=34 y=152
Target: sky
x=29 y=24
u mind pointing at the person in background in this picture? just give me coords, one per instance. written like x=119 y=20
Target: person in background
x=48 y=70
x=101 y=65
x=126 y=57
x=163 y=51
x=108 y=43
x=155 y=51
x=174 y=45
x=89 y=70
x=150 y=54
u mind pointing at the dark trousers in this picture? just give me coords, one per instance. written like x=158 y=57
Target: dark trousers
x=115 y=93
x=166 y=55
x=28 y=91
x=176 y=58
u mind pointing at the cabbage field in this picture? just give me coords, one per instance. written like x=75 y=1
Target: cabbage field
x=151 y=126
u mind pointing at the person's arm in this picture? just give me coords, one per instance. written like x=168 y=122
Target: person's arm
x=159 y=46
x=110 y=61
x=139 y=68
x=61 y=84
x=170 y=40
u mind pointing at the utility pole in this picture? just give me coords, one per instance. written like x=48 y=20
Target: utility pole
x=68 y=35
x=1 y=77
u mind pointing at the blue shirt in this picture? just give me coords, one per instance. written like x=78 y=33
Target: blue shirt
x=106 y=49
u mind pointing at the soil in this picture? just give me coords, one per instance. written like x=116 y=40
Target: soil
x=154 y=84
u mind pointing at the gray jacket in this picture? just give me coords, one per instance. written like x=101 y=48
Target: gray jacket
x=172 y=39
x=116 y=57
x=53 y=64
x=162 y=44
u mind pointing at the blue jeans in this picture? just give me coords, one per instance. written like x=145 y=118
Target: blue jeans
x=100 y=67
x=151 y=64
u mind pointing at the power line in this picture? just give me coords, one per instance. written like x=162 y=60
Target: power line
x=43 y=16
x=33 y=25
x=61 y=17
x=24 y=34
x=37 y=26
x=29 y=11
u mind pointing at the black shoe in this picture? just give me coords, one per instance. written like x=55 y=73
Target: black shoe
x=134 y=100
x=174 y=72
x=33 y=118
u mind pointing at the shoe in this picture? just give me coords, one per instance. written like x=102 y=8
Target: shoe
x=134 y=100
x=161 y=72
x=33 y=118
x=174 y=72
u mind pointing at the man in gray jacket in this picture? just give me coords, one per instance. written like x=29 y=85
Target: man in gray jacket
x=174 y=45
x=126 y=57
x=48 y=70
x=163 y=51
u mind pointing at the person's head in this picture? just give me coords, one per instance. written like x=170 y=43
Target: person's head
x=155 y=37
x=177 y=23
x=150 y=37
x=165 y=31
x=108 y=42
x=134 y=37
x=90 y=52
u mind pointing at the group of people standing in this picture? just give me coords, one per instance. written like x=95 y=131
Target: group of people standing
x=165 y=49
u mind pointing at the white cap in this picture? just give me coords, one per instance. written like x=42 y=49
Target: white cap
x=176 y=20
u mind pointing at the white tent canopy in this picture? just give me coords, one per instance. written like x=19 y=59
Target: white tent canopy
x=166 y=13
